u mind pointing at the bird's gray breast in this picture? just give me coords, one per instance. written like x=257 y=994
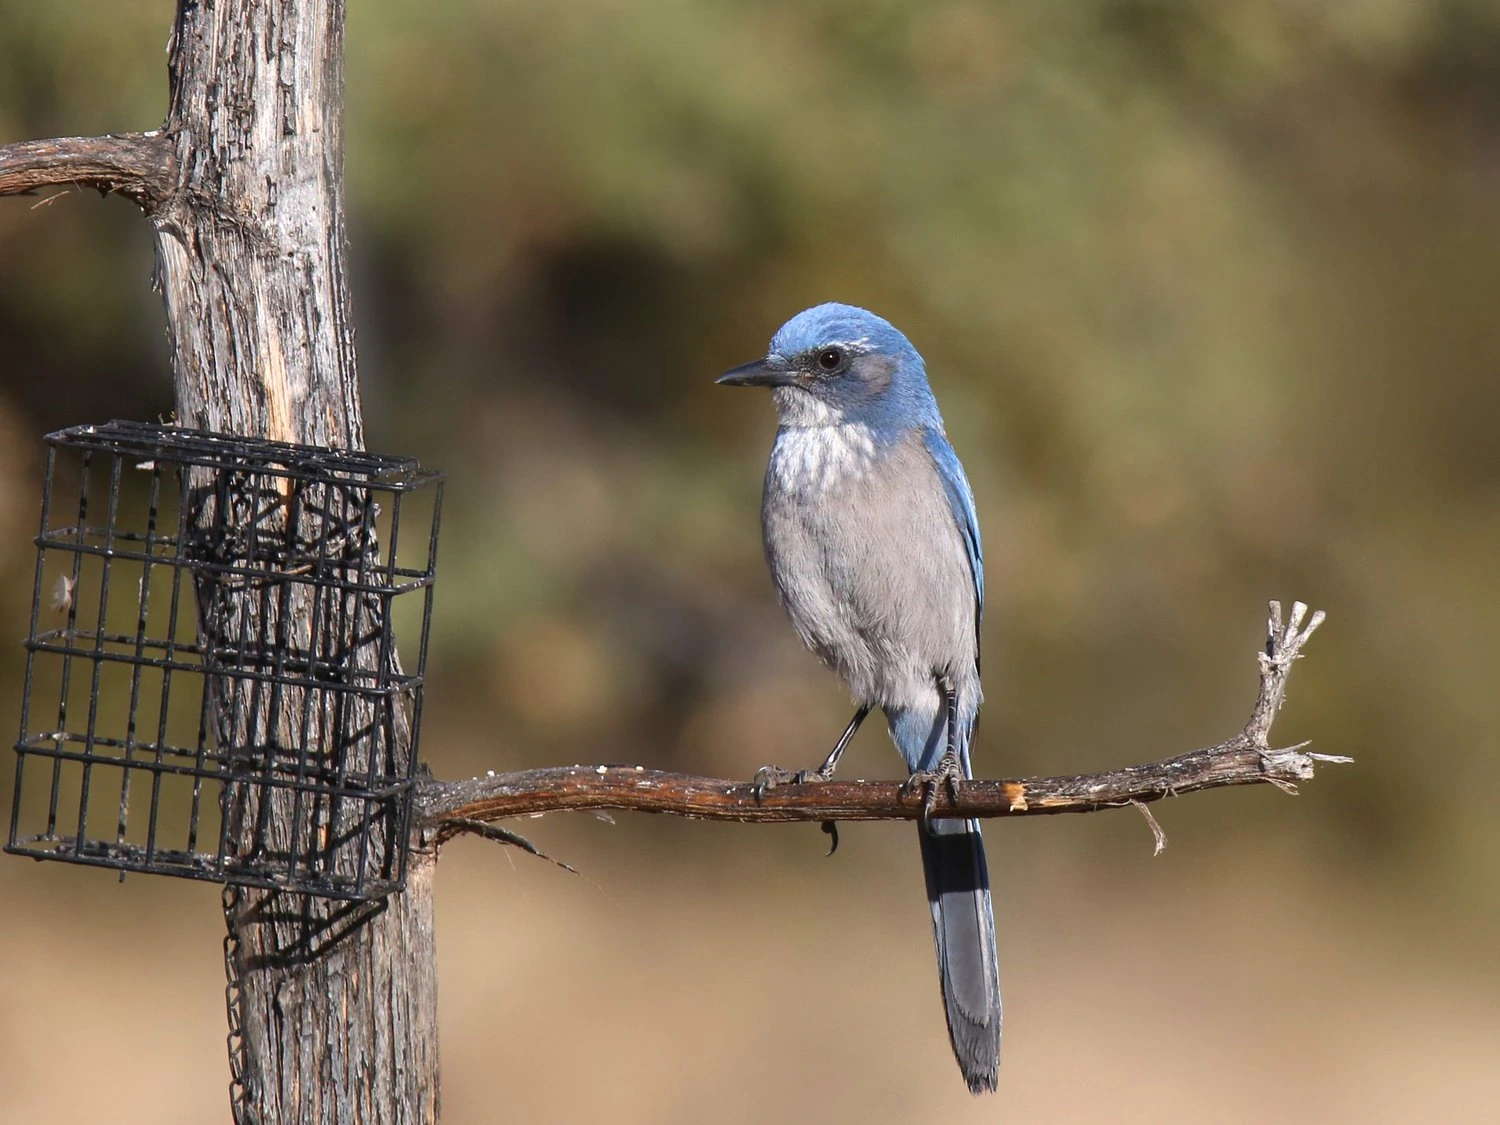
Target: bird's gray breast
x=867 y=558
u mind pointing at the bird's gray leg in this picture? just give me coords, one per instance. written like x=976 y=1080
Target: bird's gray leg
x=768 y=777
x=950 y=770
x=830 y=763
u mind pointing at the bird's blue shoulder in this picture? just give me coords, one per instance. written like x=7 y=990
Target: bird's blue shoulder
x=961 y=501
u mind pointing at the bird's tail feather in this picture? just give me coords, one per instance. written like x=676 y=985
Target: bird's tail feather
x=963 y=920
x=963 y=927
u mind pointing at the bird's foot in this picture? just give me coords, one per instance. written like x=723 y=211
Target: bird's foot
x=769 y=777
x=949 y=775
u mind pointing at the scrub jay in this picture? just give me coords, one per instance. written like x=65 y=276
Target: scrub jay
x=873 y=544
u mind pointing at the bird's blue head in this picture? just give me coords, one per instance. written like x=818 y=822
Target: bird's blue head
x=834 y=363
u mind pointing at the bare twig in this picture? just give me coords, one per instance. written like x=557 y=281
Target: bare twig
x=1157 y=833
x=457 y=825
x=1245 y=759
x=140 y=166
x=1283 y=646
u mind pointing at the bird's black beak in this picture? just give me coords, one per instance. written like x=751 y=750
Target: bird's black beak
x=760 y=373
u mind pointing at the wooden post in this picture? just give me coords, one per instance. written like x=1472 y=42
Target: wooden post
x=337 y=1018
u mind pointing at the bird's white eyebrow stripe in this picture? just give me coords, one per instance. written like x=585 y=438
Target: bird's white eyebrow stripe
x=862 y=344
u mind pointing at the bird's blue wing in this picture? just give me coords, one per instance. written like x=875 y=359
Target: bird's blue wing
x=961 y=501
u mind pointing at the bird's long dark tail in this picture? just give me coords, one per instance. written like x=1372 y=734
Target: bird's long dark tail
x=963 y=921
x=963 y=926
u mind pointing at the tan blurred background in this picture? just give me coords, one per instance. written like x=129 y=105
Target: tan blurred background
x=1208 y=292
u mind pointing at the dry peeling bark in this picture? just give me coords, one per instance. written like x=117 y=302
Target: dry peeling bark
x=337 y=1012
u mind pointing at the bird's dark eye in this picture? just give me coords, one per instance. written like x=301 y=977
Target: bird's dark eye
x=830 y=358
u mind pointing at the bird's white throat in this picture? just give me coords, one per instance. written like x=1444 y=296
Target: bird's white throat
x=816 y=459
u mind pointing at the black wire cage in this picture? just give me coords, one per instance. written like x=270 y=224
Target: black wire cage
x=212 y=687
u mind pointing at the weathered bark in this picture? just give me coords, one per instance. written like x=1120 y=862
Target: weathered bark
x=251 y=245
x=334 y=1010
x=137 y=165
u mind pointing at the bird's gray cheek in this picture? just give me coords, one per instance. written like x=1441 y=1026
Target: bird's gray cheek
x=875 y=372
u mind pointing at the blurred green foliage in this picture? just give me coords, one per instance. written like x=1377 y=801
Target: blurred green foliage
x=1208 y=293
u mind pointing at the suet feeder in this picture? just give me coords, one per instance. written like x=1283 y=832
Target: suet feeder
x=212 y=686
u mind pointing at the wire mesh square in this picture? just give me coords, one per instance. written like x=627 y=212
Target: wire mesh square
x=213 y=688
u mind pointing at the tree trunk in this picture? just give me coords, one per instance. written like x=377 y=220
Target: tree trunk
x=335 y=1011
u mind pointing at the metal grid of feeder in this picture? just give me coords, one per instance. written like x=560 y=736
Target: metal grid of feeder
x=212 y=687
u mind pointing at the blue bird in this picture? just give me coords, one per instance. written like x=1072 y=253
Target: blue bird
x=873 y=544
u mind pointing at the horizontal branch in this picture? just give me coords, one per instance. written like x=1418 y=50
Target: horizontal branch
x=705 y=798
x=451 y=807
x=140 y=166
